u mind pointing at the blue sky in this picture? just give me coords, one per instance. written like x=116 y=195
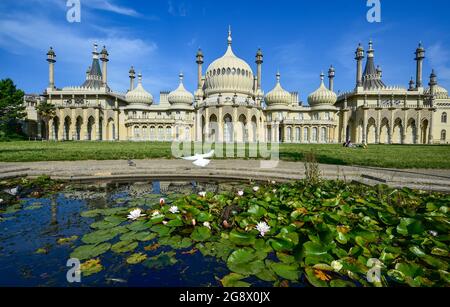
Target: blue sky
x=160 y=38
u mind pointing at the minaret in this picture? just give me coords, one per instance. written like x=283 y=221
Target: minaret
x=331 y=75
x=51 y=59
x=420 y=56
x=199 y=61
x=411 y=84
x=433 y=83
x=359 y=62
x=132 y=77
x=104 y=58
x=259 y=61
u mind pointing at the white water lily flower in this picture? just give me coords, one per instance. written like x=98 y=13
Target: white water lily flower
x=207 y=225
x=433 y=233
x=274 y=190
x=162 y=201
x=336 y=265
x=274 y=182
x=240 y=193
x=256 y=189
x=202 y=194
x=194 y=222
x=174 y=209
x=165 y=222
x=135 y=214
x=263 y=228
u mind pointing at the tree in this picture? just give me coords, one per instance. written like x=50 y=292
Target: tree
x=47 y=112
x=12 y=109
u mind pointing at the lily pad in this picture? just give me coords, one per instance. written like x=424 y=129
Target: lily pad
x=90 y=251
x=91 y=267
x=234 y=280
x=201 y=234
x=124 y=247
x=245 y=261
x=136 y=258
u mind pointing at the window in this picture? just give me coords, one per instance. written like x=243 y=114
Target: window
x=327 y=116
x=152 y=133
x=169 y=133
x=269 y=117
x=297 y=134
x=314 y=135
x=300 y=116
x=315 y=116
x=137 y=132
x=323 y=135
x=444 y=118
x=305 y=135
x=160 y=134
x=289 y=134
x=443 y=135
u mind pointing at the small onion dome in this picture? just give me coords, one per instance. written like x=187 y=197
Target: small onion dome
x=139 y=94
x=278 y=96
x=322 y=96
x=104 y=51
x=180 y=95
x=51 y=52
x=132 y=71
x=259 y=52
x=439 y=91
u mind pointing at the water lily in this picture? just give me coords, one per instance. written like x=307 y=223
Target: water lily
x=274 y=182
x=135 y=214
x=207 y=225
x=162 y=201
x=274 y=191
x=433 y=233
x=240 y=193
x=256 y=189
x=174 y=209
x=263 y=228
x=194 y=222
x=202 y=194
x=336 y=265
x=165 y=222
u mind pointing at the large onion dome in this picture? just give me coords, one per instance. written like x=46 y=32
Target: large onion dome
x=180 y=95
x=139 y=94
x=229 y=74
x=440 y=92
x=278 y=96
x=322 y=96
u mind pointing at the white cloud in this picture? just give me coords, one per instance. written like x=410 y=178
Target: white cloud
x=109 y=6
x=179 y=9
x=439 y=58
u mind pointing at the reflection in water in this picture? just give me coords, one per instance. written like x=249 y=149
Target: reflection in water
x=35 y=228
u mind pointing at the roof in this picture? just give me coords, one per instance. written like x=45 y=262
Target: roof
x=371 y=77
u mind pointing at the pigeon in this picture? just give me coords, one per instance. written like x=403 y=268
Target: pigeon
x=201 y=160
x=131 y=163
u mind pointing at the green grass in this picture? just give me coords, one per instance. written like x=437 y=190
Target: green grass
x=398 y=156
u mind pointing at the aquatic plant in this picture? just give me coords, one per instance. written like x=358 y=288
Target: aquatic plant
x=326 y=234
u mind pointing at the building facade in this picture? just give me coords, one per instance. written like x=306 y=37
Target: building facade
x=229 y=105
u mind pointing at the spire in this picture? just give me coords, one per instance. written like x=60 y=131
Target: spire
x=370 y=51
x=230 y=39
x=278 y=77
x=140 y=78
x=95 y=52
x=372 y=75
x=181 y=76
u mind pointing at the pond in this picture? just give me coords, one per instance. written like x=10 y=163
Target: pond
x=178 y=234
x=39 y=235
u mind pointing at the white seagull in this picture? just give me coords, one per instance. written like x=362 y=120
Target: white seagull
x=201 y=160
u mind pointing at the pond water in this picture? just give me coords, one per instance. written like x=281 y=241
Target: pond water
x=30 y=254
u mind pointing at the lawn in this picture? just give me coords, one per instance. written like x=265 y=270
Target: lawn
x=398 y=156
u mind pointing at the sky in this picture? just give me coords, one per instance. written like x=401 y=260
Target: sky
x=160 y=39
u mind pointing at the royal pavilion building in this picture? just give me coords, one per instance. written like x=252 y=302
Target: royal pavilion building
x=229 y=105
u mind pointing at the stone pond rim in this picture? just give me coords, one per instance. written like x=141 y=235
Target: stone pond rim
x=220 y=170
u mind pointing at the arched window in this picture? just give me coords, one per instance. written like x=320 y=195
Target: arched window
x=137 y=132
x=444 y=118
x=315 y=135
x=152 y=133
x=169 y=133
x=289 y=134
x=323 y=135
x=297 y=134
x=160 y=133
x=305 y=135
x=443 y=135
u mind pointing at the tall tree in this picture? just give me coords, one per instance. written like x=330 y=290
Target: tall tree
x=47 y=112
x=12 y=109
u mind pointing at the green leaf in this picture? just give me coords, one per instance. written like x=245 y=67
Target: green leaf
x=90 y=251
x=245 y=261
x=136 y=258
x=124 y=247
x=201 y=234
x=234 y=280
x=242 y=238
x=286 y=271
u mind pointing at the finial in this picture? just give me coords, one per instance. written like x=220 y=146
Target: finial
x=230 y=39
x=322 y=76
x=140 y=78
x=278 y=76
x=370 y=45
x=181 y=76
x=95 y=48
